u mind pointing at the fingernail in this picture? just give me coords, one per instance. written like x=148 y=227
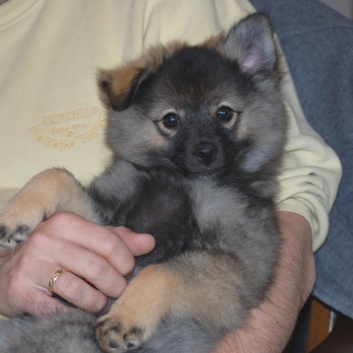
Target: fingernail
x=131 y=275
x=107 y=307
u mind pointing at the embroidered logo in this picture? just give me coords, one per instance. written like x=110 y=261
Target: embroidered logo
x=62 y=131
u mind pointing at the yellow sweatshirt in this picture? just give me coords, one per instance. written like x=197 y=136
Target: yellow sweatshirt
x=50 y=113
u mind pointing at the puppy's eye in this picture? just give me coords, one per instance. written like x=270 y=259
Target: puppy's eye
x=225 y=114
x=171 y=121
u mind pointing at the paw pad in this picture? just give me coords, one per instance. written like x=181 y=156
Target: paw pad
x=115 y=337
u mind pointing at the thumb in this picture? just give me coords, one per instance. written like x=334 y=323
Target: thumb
x=138 y=243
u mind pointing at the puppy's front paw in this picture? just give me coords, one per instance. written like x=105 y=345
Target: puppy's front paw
x=46 y=193
x=20 y=217
x=17 y=222
x=22 y=214
x=12 y=233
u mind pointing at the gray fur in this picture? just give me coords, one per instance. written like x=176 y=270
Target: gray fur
x=69 y=333
x=74 y=333
x=204 y=188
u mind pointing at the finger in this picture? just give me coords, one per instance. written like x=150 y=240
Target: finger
x=85 y=264
x=138 y=243
x=93 y=268
x=19 y=293
x=79 y=293
x=28 y=288
x=98 y=239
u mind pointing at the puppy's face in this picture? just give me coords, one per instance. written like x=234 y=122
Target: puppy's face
x=199 y=110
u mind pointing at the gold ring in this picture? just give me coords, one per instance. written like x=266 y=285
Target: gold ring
x=54 y=277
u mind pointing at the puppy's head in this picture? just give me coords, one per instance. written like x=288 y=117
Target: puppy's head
x=200 y=110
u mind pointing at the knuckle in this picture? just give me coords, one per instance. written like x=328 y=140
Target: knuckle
x=128 y=266
x=96 y=268
x=62 y=217
x=72 y=288
x=38 y=239
x=111 y=247
x=108 y=244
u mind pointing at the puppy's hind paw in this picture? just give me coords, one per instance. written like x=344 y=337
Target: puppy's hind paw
x=137 y=314
x=114 y=336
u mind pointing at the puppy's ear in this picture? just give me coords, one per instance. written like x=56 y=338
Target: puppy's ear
x=251 y=43
x=117 y=87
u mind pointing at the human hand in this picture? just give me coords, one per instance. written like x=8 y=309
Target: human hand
x=270 y=326
x=97 y=260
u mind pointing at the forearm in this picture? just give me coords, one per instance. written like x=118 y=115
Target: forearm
x=270 y=326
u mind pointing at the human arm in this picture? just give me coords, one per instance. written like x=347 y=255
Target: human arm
x=215 y=17
x=101 y=256
x=270 y=325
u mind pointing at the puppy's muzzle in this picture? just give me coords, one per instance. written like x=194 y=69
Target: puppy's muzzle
x=206 y=153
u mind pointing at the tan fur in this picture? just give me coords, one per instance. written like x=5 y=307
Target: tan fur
x=122 y=78
x=48 y=192
x=147 y=299
x=216 y=42
x=160 y=290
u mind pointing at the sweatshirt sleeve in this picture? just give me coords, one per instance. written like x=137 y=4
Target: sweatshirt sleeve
x=311 y=171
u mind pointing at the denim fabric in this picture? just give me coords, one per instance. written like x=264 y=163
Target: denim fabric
x=318 y=44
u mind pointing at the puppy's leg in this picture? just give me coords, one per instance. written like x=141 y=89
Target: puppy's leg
x=48 y=192
x=197 y=286
x=136 y=314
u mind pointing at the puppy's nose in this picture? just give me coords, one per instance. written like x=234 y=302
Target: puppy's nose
x=206 y=153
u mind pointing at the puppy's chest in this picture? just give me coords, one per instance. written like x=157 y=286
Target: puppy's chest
x=158 y=204
x=163 y=208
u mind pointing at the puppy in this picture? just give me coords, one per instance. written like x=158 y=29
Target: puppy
x=197 y=134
